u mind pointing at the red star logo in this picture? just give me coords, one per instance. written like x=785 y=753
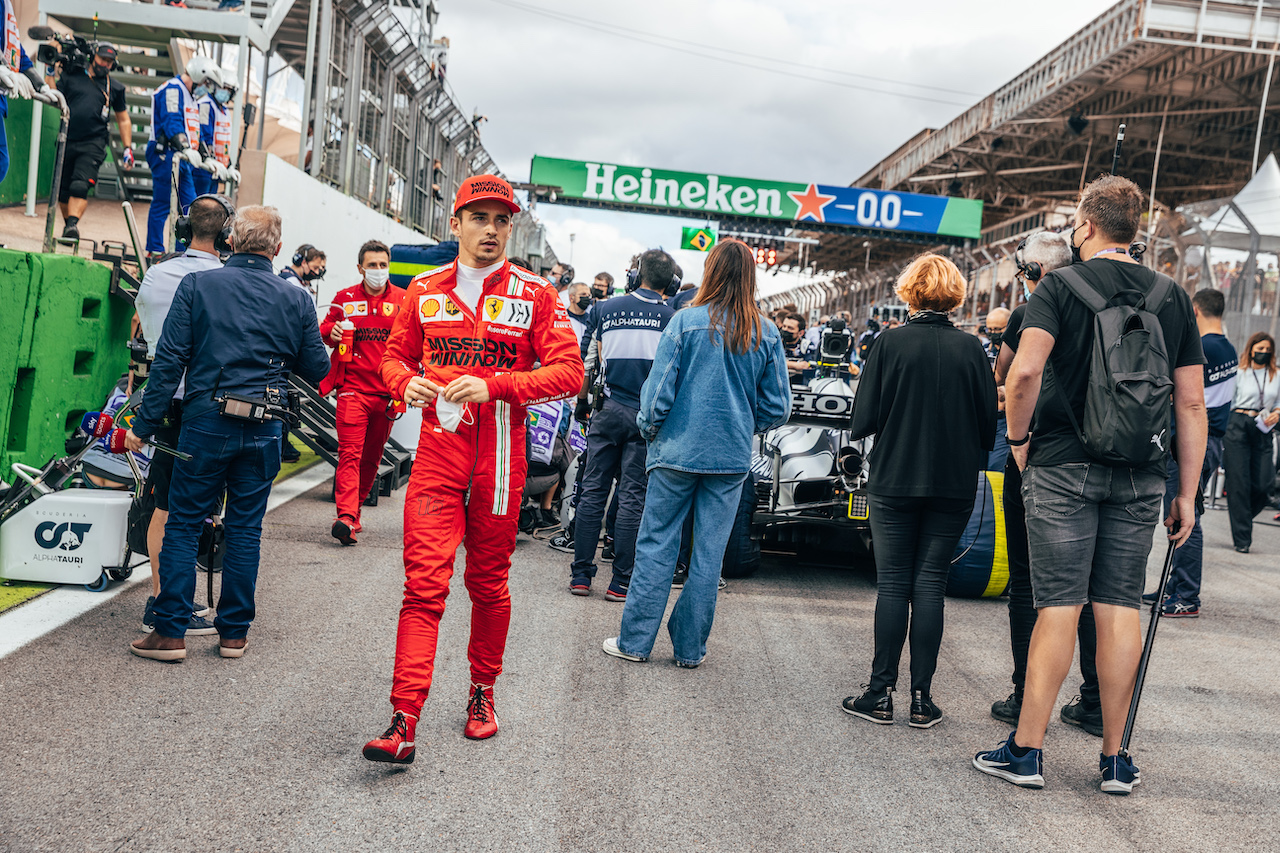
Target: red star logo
x=811 y=203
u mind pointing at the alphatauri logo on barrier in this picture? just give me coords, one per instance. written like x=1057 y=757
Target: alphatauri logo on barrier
x=66 y=536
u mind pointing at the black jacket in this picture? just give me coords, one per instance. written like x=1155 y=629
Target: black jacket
x=928 y=395
x=239 y=329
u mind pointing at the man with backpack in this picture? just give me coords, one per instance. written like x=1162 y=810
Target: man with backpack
x=1104 y=345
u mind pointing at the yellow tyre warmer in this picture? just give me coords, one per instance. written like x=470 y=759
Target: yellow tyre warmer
x=980 y=567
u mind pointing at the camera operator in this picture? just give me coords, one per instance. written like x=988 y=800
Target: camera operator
x=91 y=96
x=175 y=132
x=236 y=331
x=206 y=218
x=215 y=133
x=18 y=78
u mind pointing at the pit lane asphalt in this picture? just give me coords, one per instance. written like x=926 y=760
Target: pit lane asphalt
x=106 y=752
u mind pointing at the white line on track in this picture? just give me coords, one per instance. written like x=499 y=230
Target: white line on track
x=32 y=620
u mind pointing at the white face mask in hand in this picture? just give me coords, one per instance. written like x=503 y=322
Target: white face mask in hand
x=451 y=415
x=377 y=279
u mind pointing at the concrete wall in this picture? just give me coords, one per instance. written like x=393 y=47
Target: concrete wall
x=316 y=213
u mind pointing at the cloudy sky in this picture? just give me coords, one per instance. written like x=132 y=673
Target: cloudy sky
x=802 y=90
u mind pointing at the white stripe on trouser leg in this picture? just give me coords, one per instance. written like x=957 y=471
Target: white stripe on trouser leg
x=502 y=454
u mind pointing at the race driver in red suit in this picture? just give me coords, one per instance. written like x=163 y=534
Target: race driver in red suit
x=364 y=418
x=477 y=341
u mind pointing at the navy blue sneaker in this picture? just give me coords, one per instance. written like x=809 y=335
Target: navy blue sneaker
x=1025 y=772
x=1119 y=775
x=1149 y=598
x=1180 y=608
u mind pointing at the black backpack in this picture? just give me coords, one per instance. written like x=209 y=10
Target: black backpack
x=1127 y=399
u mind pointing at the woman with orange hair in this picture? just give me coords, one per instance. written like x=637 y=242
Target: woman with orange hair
x=928 y=396
x=719 y=377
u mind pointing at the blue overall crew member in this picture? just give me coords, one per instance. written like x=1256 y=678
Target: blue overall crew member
x=175 y=132
x=18 y=77
x=236 y=332
x=215 y=133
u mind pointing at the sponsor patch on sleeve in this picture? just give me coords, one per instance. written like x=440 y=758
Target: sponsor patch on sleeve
x=517 y=313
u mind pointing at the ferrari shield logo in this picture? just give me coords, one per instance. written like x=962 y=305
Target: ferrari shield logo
x=517 y=313
x=388 y=308
x=493 y=307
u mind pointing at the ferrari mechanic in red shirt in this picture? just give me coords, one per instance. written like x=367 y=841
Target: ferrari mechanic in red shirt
x=476 y=342
x=362 y=315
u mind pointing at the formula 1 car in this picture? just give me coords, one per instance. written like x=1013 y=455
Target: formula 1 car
x=806 y=495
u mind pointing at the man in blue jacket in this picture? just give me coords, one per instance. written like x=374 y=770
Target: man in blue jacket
x=239 y=330
x=628 y=329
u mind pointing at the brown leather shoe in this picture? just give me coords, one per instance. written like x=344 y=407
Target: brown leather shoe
x=232 y=648
x=157 y=647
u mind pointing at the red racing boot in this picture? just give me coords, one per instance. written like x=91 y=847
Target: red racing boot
x=344 y=529
x=396 y=744
x=482 y=719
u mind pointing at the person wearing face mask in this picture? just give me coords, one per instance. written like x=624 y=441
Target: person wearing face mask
x=580 y=303
x=1246 y=448
x=305 y=268
x=215 y=134
x=366 y=310
x=476 y=342
x=233 y=332
x=92 y=96
x=175 y=132
x=793 y=345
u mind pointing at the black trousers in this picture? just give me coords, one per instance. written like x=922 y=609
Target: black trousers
x=1022 y=611
x=915 y=540
x=1246 y=456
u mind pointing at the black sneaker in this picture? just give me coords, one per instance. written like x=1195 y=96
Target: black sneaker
x=924 y=714
x=197 y=627
x=722 y=583
x=545 y=520
x=1178 y=608
x=1082 y=716
x=679 y=578
x=71 y=230
x=562 y=541
x=876 y=707
x=1008 y=710
x=606 y=551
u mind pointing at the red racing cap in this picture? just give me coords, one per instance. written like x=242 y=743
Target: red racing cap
x=485 y=187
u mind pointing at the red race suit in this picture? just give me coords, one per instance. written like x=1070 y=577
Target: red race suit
x=363 y=422
x=467 y=486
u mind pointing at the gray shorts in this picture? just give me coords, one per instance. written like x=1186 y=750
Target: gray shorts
x=1089 y=530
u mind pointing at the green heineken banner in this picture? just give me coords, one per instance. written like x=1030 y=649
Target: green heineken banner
x=697 y=239
x=701 y=194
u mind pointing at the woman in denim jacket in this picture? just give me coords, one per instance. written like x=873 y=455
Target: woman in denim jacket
x=719 y=377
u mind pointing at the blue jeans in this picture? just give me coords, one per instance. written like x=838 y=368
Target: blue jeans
x=714 y=500
x=613 y=444
x=1188 y=561
x=242 y=459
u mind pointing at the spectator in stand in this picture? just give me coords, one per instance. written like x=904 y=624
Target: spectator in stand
x=628 y=331
x=1182 y=595
x=718 y=358
x=924 y=475
x=365 y=414
x=1246 y=447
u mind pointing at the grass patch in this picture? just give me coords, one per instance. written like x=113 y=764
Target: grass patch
x=288 y=469
x=13 y=593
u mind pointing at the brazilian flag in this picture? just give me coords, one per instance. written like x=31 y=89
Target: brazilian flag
x=698 y=239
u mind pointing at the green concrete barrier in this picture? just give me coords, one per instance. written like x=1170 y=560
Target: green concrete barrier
x=17 y=129
x=66 y=348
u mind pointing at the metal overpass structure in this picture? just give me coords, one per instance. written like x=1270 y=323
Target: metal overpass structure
x=1191 y=80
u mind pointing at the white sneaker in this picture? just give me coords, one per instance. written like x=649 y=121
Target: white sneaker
x=610 y=647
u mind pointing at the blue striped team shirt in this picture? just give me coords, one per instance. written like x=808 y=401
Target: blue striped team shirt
x=629 y=328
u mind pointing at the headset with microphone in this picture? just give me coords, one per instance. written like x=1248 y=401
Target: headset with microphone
x=1030 y=269
x=633 y=282
x=300 y=256
x=221 y=242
